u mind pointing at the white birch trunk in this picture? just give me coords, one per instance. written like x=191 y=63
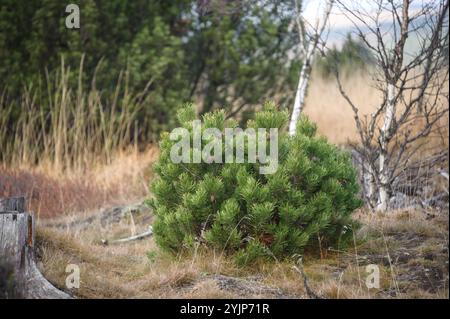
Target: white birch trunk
x=307 y=64
x=369 y=184
x=383 y=172
x=300 y=94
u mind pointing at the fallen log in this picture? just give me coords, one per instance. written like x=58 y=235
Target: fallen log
x=143 y=235
x=17 y=238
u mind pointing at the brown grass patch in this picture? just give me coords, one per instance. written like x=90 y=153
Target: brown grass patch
x=50 y=192
x=410 y=250
x=325 y=106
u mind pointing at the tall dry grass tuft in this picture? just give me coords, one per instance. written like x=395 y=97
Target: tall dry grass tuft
x=67 y=127
x=69 y=149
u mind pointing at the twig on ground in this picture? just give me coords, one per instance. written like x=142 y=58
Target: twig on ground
x=311 y=294
x=145 y=234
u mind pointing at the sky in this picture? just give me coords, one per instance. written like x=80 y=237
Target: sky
x=340 y=25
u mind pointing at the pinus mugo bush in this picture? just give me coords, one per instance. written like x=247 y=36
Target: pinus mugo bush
x=234 y=208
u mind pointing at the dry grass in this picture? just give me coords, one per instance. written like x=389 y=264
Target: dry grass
x=325 y=106
x=410 y=248
x=68 y=148
x=66 y=127
x=50 y=192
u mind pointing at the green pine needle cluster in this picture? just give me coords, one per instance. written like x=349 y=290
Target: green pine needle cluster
x=234 y=208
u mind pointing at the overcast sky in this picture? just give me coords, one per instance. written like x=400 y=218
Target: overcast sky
x=340 y=25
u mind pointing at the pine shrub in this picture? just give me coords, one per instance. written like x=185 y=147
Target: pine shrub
x=234 y=208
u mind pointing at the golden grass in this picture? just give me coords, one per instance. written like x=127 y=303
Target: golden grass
x=325 y=105
x=68 y=148
x=65 y=126
x=408 y=248
x=50 y=192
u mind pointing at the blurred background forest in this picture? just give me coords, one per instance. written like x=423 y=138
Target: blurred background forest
x=119 y=78
x=135 y=62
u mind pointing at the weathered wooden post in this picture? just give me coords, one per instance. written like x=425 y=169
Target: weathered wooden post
x=17 y=236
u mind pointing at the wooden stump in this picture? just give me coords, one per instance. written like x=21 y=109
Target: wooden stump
x=17 y=236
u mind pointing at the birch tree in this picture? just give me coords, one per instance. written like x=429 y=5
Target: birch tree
x=414 y=85
x=310 y=38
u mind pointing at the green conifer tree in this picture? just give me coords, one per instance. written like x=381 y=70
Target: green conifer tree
x=234 y=208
